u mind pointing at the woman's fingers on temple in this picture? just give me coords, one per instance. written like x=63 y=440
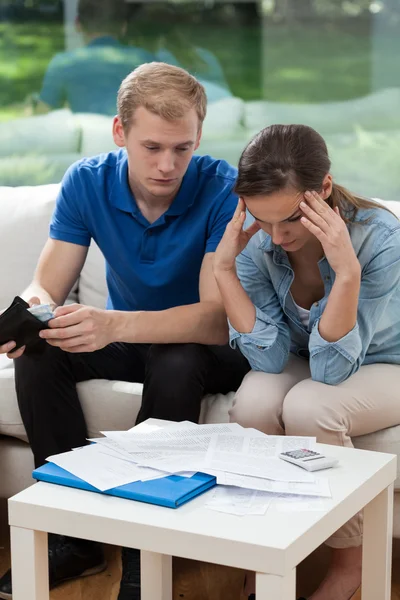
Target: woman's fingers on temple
x=315 y=230
x=238 y=222
x=239 y=208
x=313 y=216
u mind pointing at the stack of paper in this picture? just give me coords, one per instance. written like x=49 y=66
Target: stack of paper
x=244 y=461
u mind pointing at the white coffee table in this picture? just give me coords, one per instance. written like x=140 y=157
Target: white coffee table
x=272 y=545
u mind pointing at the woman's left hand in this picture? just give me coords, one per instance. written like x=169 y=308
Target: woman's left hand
x=330 y=229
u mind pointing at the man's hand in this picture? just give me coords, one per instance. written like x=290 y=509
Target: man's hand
x=78 y=328
x=7 y=348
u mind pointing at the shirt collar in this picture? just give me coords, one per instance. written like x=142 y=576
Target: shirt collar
x=122 y=197
x=267 y=244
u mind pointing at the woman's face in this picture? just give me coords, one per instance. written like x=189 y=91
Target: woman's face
x=279 y=213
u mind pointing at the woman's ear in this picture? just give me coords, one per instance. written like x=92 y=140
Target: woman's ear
x=327 y=185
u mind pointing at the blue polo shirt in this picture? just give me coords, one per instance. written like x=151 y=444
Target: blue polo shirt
x=148 y=266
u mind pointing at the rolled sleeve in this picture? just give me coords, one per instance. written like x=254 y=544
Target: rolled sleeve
x=257 y=344
x=333 y=362
x=263 y=334
x=267 y=346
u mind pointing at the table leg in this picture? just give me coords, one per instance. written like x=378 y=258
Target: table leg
x=377 y=547
x=156 y=576
x=276 y=587
x=29 y=564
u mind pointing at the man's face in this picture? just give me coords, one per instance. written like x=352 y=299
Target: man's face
x=159 y=151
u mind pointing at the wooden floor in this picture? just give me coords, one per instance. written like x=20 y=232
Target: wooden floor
x=192 y=580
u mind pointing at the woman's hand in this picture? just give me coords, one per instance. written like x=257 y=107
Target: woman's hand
x=330 y=229
x=234 y=240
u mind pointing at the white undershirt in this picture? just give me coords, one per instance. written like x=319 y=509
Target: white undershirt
x=304 y=315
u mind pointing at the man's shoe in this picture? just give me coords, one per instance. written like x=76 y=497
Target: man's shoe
x=130 y=581
x=69 y=558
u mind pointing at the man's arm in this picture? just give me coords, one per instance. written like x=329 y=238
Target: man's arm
x=203 y=323
x=79 y=328
x=59 y=266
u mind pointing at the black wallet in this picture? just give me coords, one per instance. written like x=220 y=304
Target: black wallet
x=19 y=325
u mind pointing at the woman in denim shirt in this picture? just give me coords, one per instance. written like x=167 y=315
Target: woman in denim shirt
x=314 y=305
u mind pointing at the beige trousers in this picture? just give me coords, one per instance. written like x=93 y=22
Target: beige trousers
x=293 y=403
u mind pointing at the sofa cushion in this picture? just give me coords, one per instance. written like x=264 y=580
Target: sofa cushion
x=35 y=170
x=24 y=226
x=92 y=282
x=16 y=466
x=386 y=440
x=53 y=133
x=96 y=133
x=109 y=405
x=106 y=405
x=377 y=111
x=224 y=120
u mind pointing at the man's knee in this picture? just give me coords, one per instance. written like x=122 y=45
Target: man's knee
x=175 y=361
x=258 y=403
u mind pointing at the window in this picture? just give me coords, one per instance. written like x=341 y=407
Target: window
x=334 y=65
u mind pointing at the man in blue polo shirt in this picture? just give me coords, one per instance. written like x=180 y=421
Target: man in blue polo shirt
x=157 y=213
x=87 y=79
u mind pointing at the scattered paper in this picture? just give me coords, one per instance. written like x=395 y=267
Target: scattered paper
x=319 y=487
x=247 y=455
x=297 y=503
x=100 y=469
x=244 y=461
x=236 y=501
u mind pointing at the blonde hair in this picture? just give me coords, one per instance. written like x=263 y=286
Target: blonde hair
x=165 y=90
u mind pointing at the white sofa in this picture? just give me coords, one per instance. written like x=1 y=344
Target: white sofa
x=107 y=404
x=363 y=136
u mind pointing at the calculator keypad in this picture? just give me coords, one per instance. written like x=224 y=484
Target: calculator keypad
x=299 y=454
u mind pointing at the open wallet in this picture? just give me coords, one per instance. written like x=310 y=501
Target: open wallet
x=19 y=325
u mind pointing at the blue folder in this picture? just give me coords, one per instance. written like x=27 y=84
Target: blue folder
x=171 y=491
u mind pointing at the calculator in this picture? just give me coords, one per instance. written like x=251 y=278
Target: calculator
x=308 y=459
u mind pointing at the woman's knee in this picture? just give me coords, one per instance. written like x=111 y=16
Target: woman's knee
x=258 y=403
x=309 y=408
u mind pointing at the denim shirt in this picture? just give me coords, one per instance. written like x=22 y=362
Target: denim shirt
x=266 y=275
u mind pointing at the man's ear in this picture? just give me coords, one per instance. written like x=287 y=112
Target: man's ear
x=327 y=185
x=118 y=132
x=197 y=144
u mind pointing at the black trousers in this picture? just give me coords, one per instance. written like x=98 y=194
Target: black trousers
x=175 y=377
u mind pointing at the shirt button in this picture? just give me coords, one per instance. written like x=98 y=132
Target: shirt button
x=328 y=278
x=316 y=303
x=259 y=347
